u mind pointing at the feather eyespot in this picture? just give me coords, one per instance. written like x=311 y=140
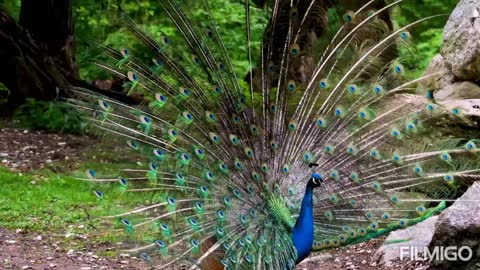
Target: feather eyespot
x=334 y=174
x=349 y=16
x=184 y=91
x=321 y=122
x=249 y=152
x=273 y=109
x=158 y=62
x=210 y=116
x=160 y=98
x=295 y=50
x=125 y=52
x=152 y=166
x=133 y=77
x=217 y=89
x=236 y=119
x=430 y=107
x=446 y=157
x=292 y=126
x=323 y=84
x=213 y=137
x=405 y=35
x=354 y=176
x=234 y=139
x=164 y=39
x=172 y=133
x=132 y=145
x=98 y=193
x=145 y=119
x=378 y=89
x=449 y=178
x=339 y=111
x=471 y=145
x=194 y=243
x=264 y=167
x=188 y=116
x=160 y=243
x=291 y=85
x=399 y=69
x=104 y=104
x=254 y=130
x=91 y=174
x=122 y=181
x=238 y=165
x=352 y=88
x=195 y=59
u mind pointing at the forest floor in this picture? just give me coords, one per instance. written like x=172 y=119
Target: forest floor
x=43 y=216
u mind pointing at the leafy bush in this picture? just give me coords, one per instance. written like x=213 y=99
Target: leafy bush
x=50 y=116
x=418 y=58
x=101 y=23
x=12 y=7
x=4 y=93
x=427 y=36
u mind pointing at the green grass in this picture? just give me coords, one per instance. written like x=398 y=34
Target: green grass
x=34 y=202
x=57 y=205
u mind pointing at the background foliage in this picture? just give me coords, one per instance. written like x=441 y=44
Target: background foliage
x=427 y=35
x=93 y=21
x=50 y=116
x=98 y=21
x=12 y=6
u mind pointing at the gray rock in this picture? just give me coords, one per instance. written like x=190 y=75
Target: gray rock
x=443 y=79
x=459 y=225
x=464 y=96
x=458 y=68
x=468 y=107
x=412 y=242
x=460 y=90
x=461 y=41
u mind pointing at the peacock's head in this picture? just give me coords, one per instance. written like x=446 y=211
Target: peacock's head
x=315 y=181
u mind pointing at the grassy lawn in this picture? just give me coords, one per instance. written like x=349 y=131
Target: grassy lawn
x=58 y=205
x=43 y=203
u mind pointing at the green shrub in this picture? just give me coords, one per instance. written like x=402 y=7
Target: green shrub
x=50 y=116
x=4 y=94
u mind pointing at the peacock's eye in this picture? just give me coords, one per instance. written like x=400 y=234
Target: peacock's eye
x=195 y=59
x=125 y=52
x=399 y=69
x=323 y=84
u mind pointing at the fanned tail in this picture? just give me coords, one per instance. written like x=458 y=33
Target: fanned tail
x=228 y=162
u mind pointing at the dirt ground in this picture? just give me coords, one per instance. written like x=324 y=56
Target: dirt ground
x=21 y=250
x=356 y=257
x=24 y=150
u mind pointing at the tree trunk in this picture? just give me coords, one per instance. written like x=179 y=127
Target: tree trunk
x=37 y=54
x=50 y=24
x=315 y=26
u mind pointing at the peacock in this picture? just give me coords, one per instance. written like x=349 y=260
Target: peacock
x=319 y=146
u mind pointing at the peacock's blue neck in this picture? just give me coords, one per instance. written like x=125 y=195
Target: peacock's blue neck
x=302 y=233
